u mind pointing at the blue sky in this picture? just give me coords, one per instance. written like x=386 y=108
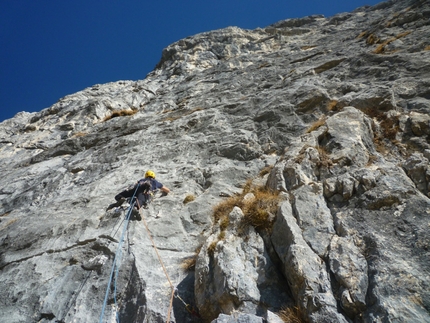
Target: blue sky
x=52 y=48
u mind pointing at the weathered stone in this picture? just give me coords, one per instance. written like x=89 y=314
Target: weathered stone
x=230 y=273
x=349 y=137
x=330 y=186
x=305 y=271
x=350 y=269
x=313 y=217
x=239 y=318
x=418 y=169
x=420 y=124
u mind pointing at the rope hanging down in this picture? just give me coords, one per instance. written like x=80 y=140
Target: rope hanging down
x=118 y=256
x=164 y=269
x=174 y=292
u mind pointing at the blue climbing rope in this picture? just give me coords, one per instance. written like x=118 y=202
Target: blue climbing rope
x=118 y=255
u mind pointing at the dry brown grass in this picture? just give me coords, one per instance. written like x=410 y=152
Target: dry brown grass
x=223 y=209
x=189 y=198
x=120 y=113
x=372 y=39
x=389 y=125
x=403 y=34
x=389 y=128
x=324 y=156
x=224 y=222
x=362 y=34
x=314 y=126
x=265 y=170
x=80 y=134
x=257 y=211
x=372 y=159
x=211 y=248
x=221 y=236
x=325 y=160
x=381 y=48
x=331 y=105
x=335 y=106
x=189 y=263
x=290 y=315
x=307 y=47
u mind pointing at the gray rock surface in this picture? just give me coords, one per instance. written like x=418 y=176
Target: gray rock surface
x=337 y=108
x=238 y=274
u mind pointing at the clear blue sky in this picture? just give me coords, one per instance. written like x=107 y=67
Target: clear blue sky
x=52 y=48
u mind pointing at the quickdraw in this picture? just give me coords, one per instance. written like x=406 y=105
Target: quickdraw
x=188 y=307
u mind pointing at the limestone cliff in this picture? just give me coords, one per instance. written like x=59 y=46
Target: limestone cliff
x=331 y=114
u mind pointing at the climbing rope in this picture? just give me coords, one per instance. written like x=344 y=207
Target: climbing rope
x=117 y=258
x=164 y=269
x=174 y=294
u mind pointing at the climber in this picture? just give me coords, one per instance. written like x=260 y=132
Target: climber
x=145 y=188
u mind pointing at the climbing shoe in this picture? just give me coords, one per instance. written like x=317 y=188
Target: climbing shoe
x=116 y=204
x=136 y=214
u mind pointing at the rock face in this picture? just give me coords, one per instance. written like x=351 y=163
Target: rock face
x=337 y=108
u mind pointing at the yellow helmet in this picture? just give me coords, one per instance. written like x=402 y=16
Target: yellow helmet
x=150 y=173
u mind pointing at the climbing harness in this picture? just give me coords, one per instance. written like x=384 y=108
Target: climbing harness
x=117 y=259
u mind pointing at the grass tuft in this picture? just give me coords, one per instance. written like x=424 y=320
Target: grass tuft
x=189 y=198
x=362 y=34
x=372 y=39
x=257 y=211
x=189 y=263
x=265 y=170
x=325 y=160
x=223 y=209
x=389 y=128
x=308 y=47
x=381 y=48
x=79 y=134
x=120 y=113
x=314 y=126
x=211 y=248
x=290 y=315
x=334 y=106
